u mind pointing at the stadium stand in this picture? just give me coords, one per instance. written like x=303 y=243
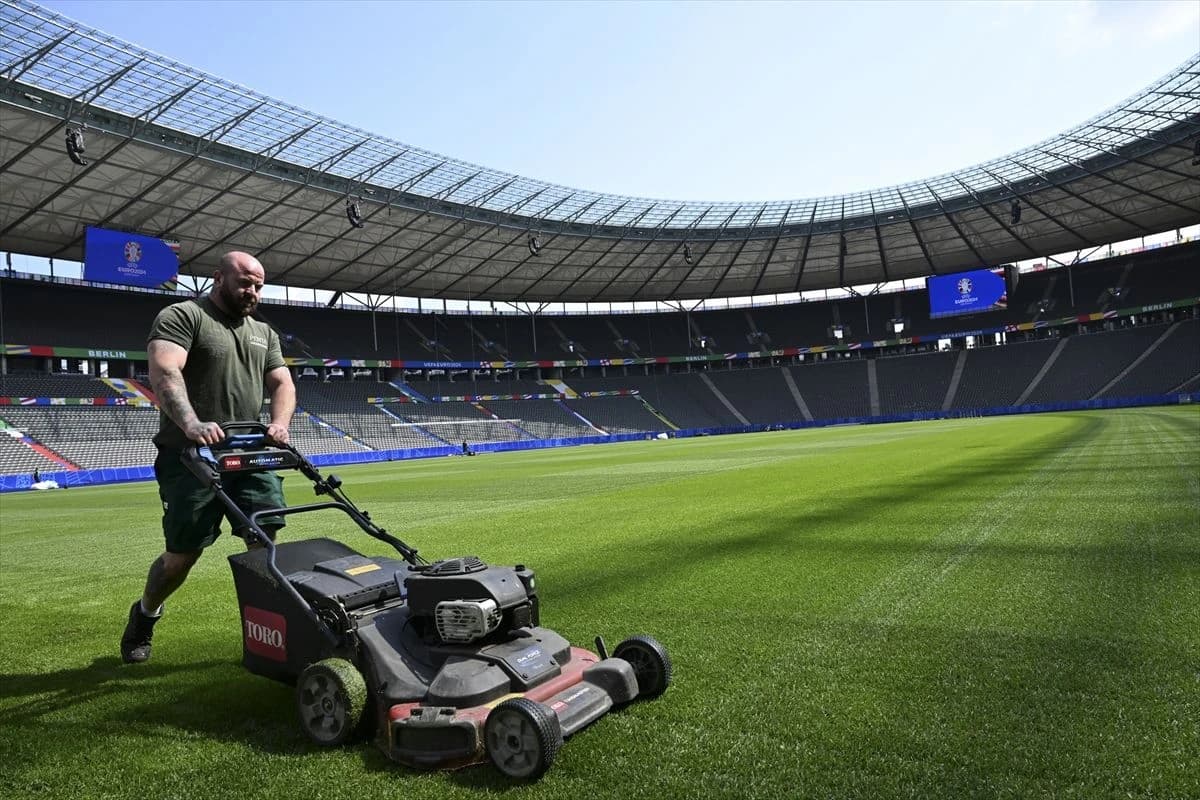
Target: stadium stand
x=914 y=383
x=996 y=376
x=834 y=389
x=1165 y=368
x=90 y=436
x=1153 y=276
x=317 y=434
x=90 y=311
x=455 y=422
x=542 y=419
x=760 y=395
x=17 y=458
x=684 y=398
x=619 y=414
x=1089 y=361
x=53 y=385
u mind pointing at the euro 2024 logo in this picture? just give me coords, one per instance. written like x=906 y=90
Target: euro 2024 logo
x=133 y=253
x=965 y=286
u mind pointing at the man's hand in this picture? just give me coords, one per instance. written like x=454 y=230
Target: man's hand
x=209 y=433
x=277 y=433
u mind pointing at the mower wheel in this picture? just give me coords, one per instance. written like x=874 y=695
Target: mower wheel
x=522 y=738
x=650 y=663
x=331 y=697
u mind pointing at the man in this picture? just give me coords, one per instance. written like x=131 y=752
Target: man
x=209 y=364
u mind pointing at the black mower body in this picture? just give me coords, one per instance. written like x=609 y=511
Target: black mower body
x=447 y=659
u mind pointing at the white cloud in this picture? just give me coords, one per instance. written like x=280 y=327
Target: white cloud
x=1166 y=21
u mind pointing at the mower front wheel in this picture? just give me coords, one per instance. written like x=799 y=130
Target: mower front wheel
x=522 y=738
x=650 y=663
x=331 y=697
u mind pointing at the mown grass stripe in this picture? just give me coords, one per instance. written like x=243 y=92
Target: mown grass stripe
x=997 y=607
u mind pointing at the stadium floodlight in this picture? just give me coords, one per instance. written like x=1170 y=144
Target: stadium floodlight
x=1014 y=212
x=838 y=333
x=535 y=245
x=75 y=146
x=898 y=325
x=687 y=253
x=354 y=214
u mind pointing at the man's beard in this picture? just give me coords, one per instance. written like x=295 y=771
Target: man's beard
x=236 y=304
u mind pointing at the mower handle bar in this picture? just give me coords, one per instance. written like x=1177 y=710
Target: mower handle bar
x=204 y=470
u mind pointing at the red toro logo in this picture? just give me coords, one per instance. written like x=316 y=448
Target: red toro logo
x=231 y=462
x=265 y=633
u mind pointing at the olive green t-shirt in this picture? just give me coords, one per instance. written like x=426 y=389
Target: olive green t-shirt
x=227 y=359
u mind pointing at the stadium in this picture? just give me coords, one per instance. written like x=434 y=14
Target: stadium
x=918 y=519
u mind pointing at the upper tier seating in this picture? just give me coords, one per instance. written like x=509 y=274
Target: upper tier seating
x=41 y=384
x=1153 y=276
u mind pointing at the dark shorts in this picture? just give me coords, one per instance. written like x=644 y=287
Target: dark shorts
x=192 y=513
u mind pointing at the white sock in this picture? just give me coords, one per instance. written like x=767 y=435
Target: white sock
x=142 y=605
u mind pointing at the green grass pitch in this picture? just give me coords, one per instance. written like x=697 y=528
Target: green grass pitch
x=997 y=608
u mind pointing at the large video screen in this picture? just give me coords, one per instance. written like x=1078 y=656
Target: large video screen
x=129 y=258
x=967 y=292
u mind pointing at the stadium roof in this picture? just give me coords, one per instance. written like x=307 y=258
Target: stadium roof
x=174 y=152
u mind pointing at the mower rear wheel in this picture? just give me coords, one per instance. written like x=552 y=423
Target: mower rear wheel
x=650 y=663
x=522 y=738
x=331 y=697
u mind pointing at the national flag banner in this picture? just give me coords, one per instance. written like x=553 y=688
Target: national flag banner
x=58 y=401
x=28 y=401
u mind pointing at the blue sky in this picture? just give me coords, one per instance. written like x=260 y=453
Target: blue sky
x=687 y=101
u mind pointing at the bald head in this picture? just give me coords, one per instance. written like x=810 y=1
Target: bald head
x=237 y=283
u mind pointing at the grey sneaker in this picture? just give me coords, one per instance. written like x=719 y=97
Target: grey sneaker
x=135 y=641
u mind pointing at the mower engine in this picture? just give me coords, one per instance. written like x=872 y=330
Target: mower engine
x=463 y=600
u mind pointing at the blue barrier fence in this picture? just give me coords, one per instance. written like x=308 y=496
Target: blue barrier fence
x=92 y=477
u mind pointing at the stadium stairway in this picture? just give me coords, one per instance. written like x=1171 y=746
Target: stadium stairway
x=1145 y=354
x=405 y=421
x=790 y=382
x=580 y=417
x=1033 y=384
x=559 y=387
x=46 y=453
x=960 y=363
x=408 y=391
x=485 y=410
x=130 y=390
x=724 y=400
x=326 y=423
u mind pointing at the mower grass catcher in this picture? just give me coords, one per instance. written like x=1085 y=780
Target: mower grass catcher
x=445 y=663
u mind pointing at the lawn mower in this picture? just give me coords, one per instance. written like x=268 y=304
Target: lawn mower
x=445 y=663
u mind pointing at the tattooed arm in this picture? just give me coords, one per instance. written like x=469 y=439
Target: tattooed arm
x=166 y=379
